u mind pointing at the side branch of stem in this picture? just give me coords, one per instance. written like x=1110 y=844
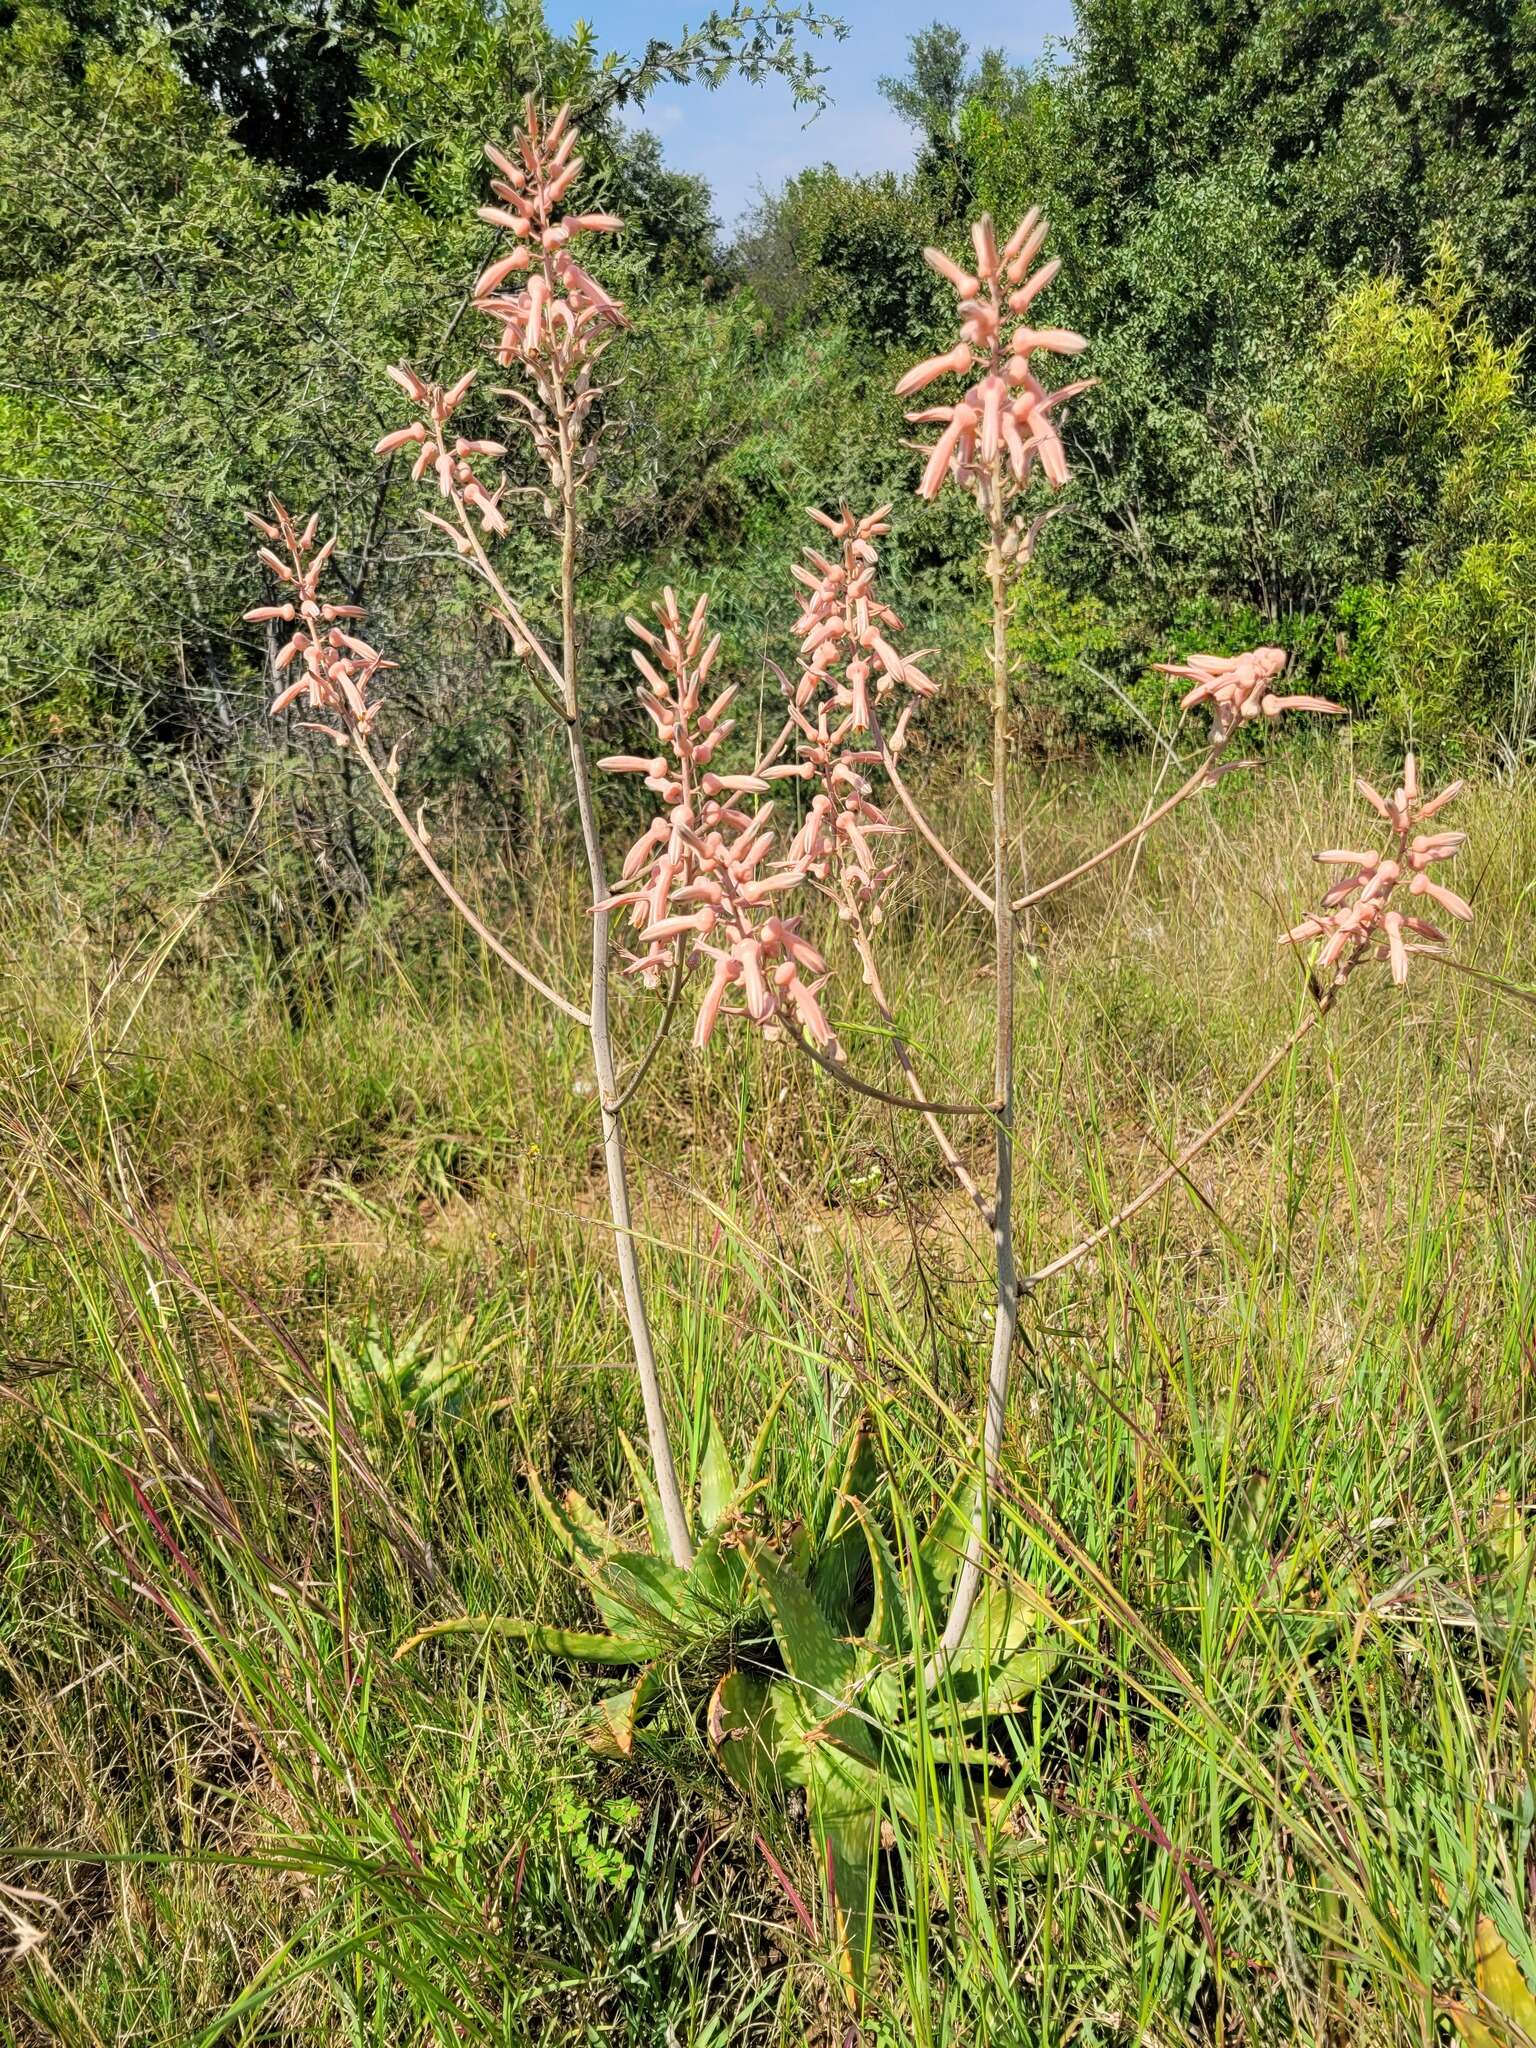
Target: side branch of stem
x=476 y=923
x=1177 y=1166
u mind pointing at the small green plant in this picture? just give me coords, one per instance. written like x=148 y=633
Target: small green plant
x=586 y=1835
x=413 y=1375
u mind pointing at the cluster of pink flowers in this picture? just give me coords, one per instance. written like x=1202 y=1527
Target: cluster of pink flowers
x=1358 y=921
x=553 y=324
x=452 y=461
x=1237 y=688
x=1006 y=410
x=560 y=303
x=699 y=883
x=337 y=666
x=702 y=881
x=850 y=665
x=844 y=629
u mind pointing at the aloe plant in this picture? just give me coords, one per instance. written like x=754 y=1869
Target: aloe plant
x=1506 y=2007
x=412 y=1374
x=801 y=1655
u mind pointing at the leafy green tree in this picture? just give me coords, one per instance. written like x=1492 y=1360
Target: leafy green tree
x=178 y=336
x=1409 y=462
x=1300 y=237
x=1219 y=177
x=937 y=84
x=832 y=249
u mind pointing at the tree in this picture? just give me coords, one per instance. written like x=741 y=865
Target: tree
x=1219 y=177
x=937 y=84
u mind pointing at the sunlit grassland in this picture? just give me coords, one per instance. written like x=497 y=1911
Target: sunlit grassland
x=1258 y=1458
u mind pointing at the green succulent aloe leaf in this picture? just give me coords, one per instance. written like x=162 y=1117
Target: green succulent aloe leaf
x=633 y=1590
x=887 y=1625
x=650 y=1499
x=840 y=1574
x=1503 y=1992
x=823 y=1669
x=718 y=1487
x=583 y=1537
x=578 y=1528
x=578 y=1645
x=766 y=1743
x=611 y=1731
x=757 y=1731
x=1002 y=1660
x=846 y=1801
x=941 y=1549
x=652 y=1590
x=857 y=1478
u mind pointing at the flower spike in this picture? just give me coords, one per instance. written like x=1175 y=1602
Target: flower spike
x=1358 y=920
x=337 y=667
x=1002 y=427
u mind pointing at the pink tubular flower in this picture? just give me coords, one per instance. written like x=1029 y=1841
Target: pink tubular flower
x=337 y=667
x=1237 y=688
x=556 y=310
x=552 y=321
x=448 y=458
x=1358 y=920
x=1005 y=419
x=553 y=318
x=699 y=884
x=850 y=667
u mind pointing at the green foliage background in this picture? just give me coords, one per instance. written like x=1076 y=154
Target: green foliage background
x=1301 y=237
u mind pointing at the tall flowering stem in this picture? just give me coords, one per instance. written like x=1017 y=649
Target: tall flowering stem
x=552 y=321
x=991 y=440
x=554 y=327
x=1005 y=427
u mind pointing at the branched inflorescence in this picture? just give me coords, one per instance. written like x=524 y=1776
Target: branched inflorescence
x=337 y=667
x=699 y=878
x=712 y=887
x=703 y=883
x=552 y=319
x=1004 y=424
x=1358 y=920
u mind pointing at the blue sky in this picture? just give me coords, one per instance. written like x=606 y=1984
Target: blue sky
x=744 y=136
